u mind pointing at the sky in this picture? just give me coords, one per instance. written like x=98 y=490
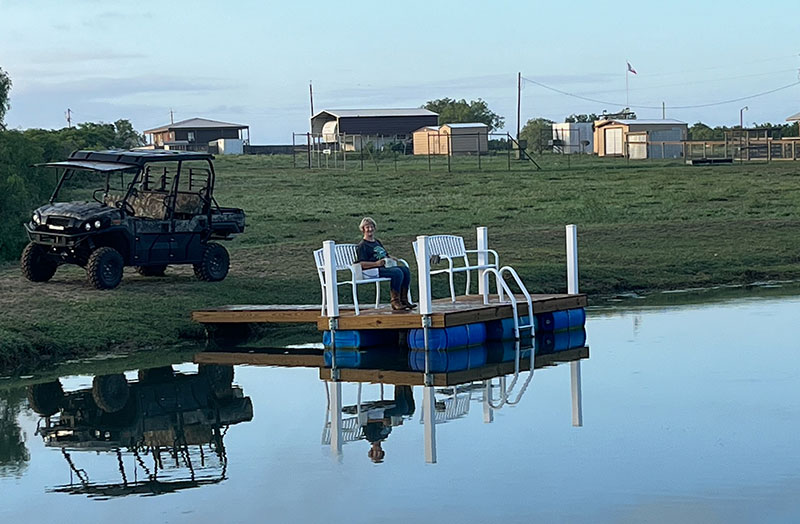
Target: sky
x=250 y=62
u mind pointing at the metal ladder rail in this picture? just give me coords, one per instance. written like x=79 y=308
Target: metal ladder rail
x=503 y=286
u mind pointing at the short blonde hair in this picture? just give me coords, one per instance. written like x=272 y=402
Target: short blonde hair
x=365 y=221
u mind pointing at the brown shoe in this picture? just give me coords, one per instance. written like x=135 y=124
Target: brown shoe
x=396 y=302
x=404 y=298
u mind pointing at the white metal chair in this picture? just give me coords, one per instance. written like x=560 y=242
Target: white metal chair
x=451 y=248
x=346 y=260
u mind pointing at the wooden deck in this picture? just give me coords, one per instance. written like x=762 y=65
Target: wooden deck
x=466 y=310
x=285 y=358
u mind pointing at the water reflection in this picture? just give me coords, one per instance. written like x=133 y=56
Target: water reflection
x=14 y=456
x=164 y=431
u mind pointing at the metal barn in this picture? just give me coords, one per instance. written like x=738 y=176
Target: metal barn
x=378 y=126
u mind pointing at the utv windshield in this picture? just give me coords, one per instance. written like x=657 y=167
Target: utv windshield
x=83 y=183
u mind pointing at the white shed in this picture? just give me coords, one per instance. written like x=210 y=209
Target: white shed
x=573 y=137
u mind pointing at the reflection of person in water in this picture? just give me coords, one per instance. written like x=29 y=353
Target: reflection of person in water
x=380 y=420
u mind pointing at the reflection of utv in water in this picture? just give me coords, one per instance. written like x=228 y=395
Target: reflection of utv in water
x=167 y=426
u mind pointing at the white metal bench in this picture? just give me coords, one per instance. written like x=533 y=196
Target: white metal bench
x=451 y=248
x=346 y=260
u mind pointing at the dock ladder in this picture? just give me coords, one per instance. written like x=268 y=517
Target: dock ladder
x=502 y=287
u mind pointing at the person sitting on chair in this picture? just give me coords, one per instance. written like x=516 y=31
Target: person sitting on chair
x=376 y=262
x=378 y=429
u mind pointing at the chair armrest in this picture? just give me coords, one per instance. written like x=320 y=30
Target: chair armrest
x=487 y=251
x=356 y=271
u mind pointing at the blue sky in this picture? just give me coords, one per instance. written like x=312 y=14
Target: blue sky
x=251 y=62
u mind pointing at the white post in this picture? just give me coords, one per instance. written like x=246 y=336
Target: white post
x=488 y=412
x=429 y=414
x=424 y=274
x=572 y=259
x=336 y=418
x=572 y=288
x=331 y=292
x=483 y=259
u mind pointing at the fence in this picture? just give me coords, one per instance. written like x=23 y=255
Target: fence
x=443 y=150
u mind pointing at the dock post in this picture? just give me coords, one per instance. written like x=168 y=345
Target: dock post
x=332 y=312
x=488 y=412
x=483 y=259
x=428 y=400
x=572 y=288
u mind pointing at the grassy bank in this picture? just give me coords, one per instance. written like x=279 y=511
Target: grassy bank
x=641 y=226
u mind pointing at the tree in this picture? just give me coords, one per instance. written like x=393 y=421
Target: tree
x=5 y=105
x=537 y=132
x=126 y=136
x=591 y=117
x=460 y=111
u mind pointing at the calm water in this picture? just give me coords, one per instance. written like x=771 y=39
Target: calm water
x=690 y=414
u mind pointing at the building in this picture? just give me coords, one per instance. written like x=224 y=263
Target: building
x=640 y=138
x=354 y=128
x=573 y=137
x=195 y=134
x=462 y=138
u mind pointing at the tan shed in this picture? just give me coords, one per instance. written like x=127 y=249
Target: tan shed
x=640 y=138
x=461 y=138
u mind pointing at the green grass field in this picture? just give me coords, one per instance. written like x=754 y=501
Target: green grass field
x=642 y=226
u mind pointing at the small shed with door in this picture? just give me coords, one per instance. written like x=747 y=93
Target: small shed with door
x=460 y=138
x=640 y=138
x=573 y=137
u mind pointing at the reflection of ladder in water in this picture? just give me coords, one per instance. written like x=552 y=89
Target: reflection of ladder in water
x=505 y=390
x=454 y=406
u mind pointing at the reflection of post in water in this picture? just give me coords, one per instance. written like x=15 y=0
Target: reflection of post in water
x=167 y=419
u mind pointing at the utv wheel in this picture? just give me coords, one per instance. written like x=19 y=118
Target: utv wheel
x=220 y=378
x=45 y=399
x=104 y=268
x=151 y=271
x=215 y=263
x=110 y=392
x=36 y=265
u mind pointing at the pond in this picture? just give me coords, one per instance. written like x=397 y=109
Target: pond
x=689 y=413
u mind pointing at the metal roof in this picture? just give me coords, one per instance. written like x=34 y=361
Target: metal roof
x=471 y=124
x=793 y=117
x=341 y=113
x=196 y=123
x=136 y=158
x=647 y=122
x=88 y=165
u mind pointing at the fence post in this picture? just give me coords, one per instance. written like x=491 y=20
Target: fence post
x=508 y=150
x=308 y=144
x=479 y=151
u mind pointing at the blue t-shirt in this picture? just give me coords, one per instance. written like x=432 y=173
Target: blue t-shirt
x=370 y=251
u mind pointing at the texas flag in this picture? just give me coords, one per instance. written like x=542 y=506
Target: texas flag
x=630 y=68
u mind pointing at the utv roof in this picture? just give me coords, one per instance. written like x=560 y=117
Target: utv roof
x=118 y=160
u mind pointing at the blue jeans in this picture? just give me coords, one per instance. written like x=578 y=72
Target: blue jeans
x=400 y=275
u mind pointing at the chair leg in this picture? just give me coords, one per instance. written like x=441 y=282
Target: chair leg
x=467 y=291
x=377 y=294
x=355 y=297
x=452 y=288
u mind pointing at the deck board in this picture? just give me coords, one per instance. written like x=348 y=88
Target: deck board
x=466 y=310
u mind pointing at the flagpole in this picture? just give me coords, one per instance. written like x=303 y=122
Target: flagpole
x=627 y=72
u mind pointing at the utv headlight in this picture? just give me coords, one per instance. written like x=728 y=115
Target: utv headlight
x=97 y=224
x=37 y=218
x=88 y=226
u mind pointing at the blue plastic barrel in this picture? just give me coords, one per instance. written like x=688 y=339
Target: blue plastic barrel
x=549 y=342
x=447 y=360
x=439 y=338
x=560 y=320
x=506 y=350
x=361 y=339
x=503 y=329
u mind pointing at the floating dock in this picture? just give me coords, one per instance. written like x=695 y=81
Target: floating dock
x=468 y=309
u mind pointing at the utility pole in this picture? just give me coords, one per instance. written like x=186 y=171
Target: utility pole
x=69 y=117
x=311 y=96
x=519 y=98
x=663 y=111
x=171 y=119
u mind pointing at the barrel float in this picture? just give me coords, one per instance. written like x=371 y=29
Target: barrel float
x=506 y=350
x=549 y=342
x=560 y=320
x=447 y=360
x=503 y=329
x=448 y=338
x=360 y=339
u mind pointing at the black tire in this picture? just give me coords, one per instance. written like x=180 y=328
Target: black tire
x=104 y=269
x=45 y=399
x=36 y=265
x=220 y=378
x=215 y=264
x=151 y=271
x=110 y=392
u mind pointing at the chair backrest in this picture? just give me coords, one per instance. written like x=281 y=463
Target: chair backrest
x=346 y=256
x=447 y=245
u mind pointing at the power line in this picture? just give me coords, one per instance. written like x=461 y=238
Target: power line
x=606 y=102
